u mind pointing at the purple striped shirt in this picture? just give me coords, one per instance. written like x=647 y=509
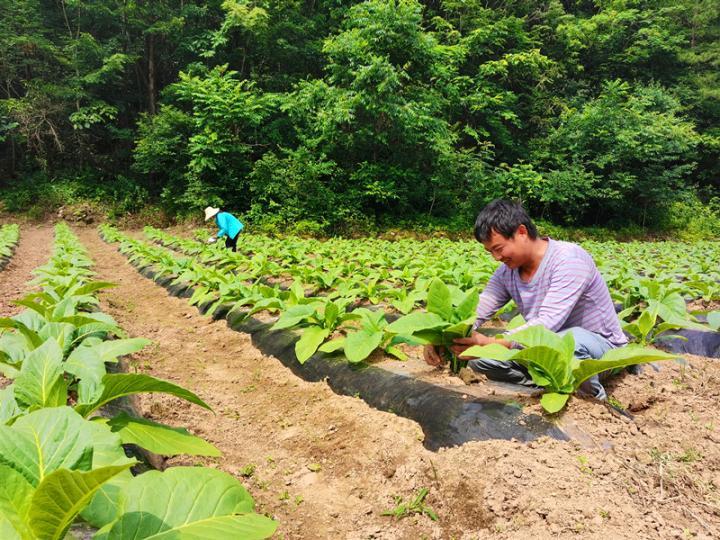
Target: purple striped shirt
x=567 y=290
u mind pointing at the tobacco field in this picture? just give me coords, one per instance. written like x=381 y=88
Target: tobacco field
x=125 y=412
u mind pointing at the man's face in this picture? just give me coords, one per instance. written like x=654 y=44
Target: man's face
x=513 y=252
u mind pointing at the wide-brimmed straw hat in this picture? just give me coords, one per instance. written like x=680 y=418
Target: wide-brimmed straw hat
x=211 y=212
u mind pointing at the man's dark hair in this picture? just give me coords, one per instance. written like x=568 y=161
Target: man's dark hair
x=503 y=217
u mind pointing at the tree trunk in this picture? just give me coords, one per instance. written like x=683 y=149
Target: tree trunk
x=152 y=106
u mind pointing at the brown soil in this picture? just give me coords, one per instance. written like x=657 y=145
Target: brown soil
x=701 y=305
x=327 y=466
x=32 y=251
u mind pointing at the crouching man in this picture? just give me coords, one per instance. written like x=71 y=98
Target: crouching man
x=554 y=284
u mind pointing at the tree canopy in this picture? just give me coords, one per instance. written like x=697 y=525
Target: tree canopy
x=338 y=113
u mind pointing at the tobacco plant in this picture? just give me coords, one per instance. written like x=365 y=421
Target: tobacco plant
x=552 y=365
x=450 y=314
x=371 y=333
x=9 y=235
x=318 y=319
x=58 y=459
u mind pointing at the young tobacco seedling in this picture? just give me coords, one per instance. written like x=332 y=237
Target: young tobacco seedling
x=319 y=320
x=646 y=329
x=551 y=363
x=450 y=314
x=360 y=344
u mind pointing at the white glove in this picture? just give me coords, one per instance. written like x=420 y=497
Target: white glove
x=211 y=240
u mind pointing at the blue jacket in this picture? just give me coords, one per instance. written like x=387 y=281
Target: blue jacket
x=228 y=224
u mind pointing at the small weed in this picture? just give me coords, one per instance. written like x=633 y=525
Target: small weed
x=248 y=389
x=248 y=470
x=584 y=465
x=680 y=383
x=689 y=456
x=658 y=456
x=314 y=467
x=612 y=400
x=415 y=506
x=284 y=496
x=298 y=500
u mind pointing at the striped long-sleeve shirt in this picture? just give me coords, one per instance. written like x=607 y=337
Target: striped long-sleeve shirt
x=566 y=291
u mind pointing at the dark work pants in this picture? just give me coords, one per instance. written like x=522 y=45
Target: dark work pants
x=231 y=242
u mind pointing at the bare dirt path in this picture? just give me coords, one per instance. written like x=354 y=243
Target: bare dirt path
x=327 y=466
x=32 y=251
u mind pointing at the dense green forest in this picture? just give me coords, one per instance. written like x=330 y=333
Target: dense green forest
x=332 y=115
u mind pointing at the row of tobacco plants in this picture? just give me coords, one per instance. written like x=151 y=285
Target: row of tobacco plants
x=331 y=319
x=62 y=456
x=9 y=236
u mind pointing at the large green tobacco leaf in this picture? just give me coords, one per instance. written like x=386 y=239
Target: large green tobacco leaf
x=112 y=349
x=149 y=527
x=62 y=495
x=46 y=440
x=13 y=348
x=439 y=300
x=552 y=402
x=312 y=337
x=86 y=364
x=158 y=438
x=548 y=367
x=618 y=358
x=30 y=319
x=28 y=333
x=40 y=381
x=294 y=316
x=416 y=322
x=8 y=371
x=187 y=502
x=124 y=384
x=538 y=335
x=671 y=306
x=59 y=331
x=67 y=307
x=93 y=286
x=332 y=312
x=494 y=351
x=15 y=496
x=359 y=345
x=107 y=451
x=98 y=324
x=467 y=306
x=457 y=330
x=8 y=405
x=107 y=446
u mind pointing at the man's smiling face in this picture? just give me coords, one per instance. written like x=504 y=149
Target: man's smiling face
x=513 y=252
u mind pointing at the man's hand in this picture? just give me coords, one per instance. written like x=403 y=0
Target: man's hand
x=432 y=355
x=462 y=344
